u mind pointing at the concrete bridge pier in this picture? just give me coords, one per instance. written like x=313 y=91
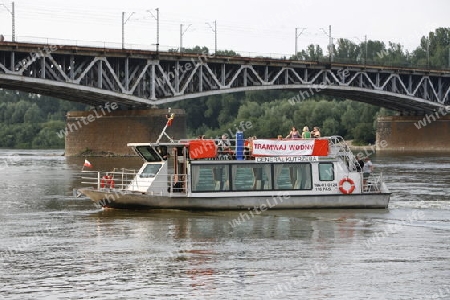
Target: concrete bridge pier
x=429 y=133
x=108 y=132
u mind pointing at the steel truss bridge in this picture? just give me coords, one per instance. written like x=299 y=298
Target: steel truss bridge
x=138 y=78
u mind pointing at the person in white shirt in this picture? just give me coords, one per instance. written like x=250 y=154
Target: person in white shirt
x=224 y=144
x=367 y=170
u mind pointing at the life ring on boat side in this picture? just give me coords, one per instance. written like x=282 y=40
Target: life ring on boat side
x=341 y=185
x=107 y=181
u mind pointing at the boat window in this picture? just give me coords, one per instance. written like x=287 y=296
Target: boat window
x=251 y=177
x=148 y=153
x=150 y=170
x=326 y=171
x=292 y=177
x=210 y=178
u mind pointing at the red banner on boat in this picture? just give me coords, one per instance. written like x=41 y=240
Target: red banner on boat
x=300 y=147
x=320 y=147
x=199 y=149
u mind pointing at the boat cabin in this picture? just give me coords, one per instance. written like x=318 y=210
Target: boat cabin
x=200 y=167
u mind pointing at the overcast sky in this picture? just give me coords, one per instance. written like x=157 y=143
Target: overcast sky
x=248 y=27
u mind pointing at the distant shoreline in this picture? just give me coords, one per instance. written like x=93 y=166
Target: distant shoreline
x=366 y=149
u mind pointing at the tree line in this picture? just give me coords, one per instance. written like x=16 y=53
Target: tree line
x=433 y=52
x=267 y=114
x=32 y=121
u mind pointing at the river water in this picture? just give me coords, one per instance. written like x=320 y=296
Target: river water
x=56 y=246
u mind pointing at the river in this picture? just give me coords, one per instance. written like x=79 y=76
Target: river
x=57 y=246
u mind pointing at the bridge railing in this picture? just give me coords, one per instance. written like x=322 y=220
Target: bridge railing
x=380 y=59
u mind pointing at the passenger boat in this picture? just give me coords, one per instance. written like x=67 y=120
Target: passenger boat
x=193 y=174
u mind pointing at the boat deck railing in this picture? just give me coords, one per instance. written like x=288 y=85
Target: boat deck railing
x=118 y=178
x=178 y=184
x=339 y=148
x=373 y=183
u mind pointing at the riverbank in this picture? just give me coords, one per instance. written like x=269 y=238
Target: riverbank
x=359 y=147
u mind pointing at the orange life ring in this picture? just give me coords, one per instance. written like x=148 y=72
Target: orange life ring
x=107 y=181
x=341 y=185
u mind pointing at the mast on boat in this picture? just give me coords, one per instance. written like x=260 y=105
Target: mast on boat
x=169 y=118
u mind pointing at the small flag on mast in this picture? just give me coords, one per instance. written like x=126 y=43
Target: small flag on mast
x=87 y=164
x=170 y=119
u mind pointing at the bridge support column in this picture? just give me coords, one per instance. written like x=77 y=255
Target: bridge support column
x=429 y=133
x=107 y=133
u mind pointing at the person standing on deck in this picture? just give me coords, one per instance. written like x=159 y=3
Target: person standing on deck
x=306 y=134
x=367 y=170
x=316 y=132
x=224 y=145
x=294 y=134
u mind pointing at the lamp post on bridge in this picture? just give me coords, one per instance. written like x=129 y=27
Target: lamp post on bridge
x=123 y=27
x=428 y=50
x=330 y=42
x=214 y=29
x=13 y=19
x=365 y=50
x=181 y=35
x=365 y=47
x=157 y=27
x=296 y=39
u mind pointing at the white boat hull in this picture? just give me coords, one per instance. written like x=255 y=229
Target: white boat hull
x=125 y=199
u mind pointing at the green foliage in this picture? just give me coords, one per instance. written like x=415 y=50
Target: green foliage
x=47 y=138
x=433 y=52
x=32 y=121
x=363 y=133
x=258 y=114
x=227 y=53
x=437 y=45
x=347 y=50
x=312 y=53
x=33 y=115
x=196 y=50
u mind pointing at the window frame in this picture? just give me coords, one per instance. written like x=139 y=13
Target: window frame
x=231 y=175
x=320 y=171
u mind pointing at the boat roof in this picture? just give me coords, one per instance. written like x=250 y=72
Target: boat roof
x=168 y=144
x=210 y=148
x=185 y=142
